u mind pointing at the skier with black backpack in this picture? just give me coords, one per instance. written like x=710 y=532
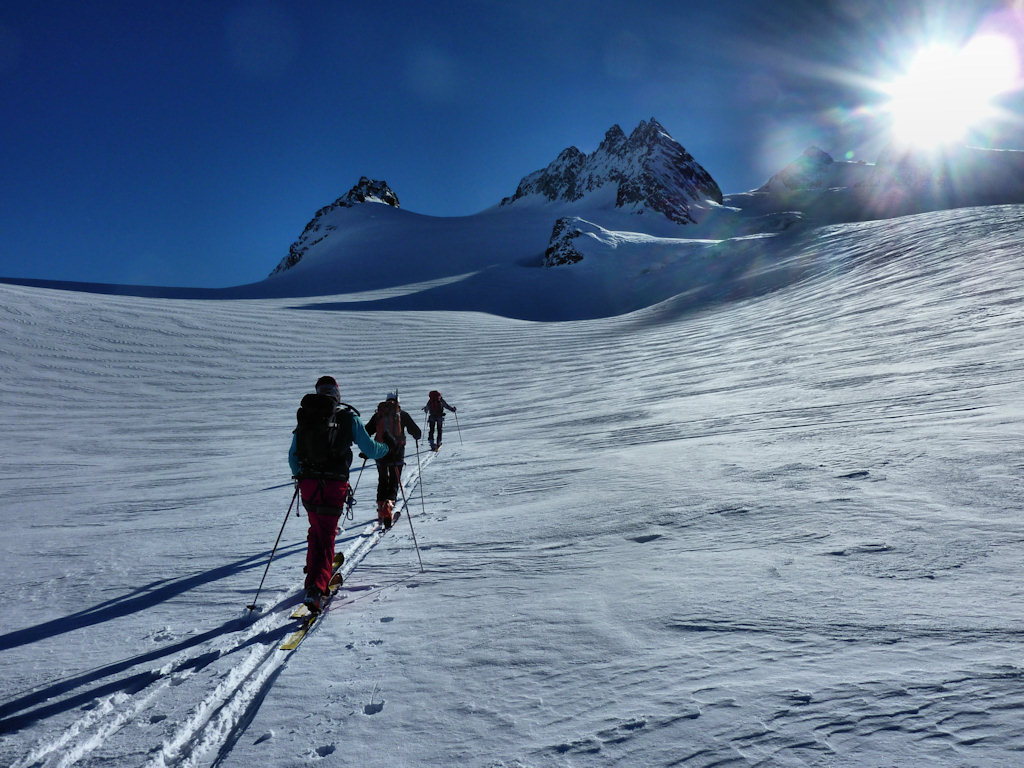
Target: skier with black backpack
x=320 y=457
x=435 y=409
x=390 y=423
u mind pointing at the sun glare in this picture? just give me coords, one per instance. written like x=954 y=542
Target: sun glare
x=945 y=92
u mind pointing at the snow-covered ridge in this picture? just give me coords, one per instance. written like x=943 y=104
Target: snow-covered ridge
x=644 y=183
x=647 y=172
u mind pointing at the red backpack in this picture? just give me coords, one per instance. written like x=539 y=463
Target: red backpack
x=434 y=403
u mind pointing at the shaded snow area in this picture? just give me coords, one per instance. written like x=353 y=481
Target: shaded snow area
x=780 y=528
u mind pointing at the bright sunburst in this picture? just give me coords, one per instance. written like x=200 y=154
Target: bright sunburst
x=945 y=92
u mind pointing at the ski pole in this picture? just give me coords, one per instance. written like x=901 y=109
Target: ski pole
x=457 y=426
x=408 y=514
x=365 y=458
x=420 y=468
x=352 y=498
x=252 y=605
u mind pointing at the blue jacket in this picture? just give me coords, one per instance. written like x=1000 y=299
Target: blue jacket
x=366 y=444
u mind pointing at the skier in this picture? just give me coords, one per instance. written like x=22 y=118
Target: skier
x=434 y=409
x=390 y=421
x=320 y=457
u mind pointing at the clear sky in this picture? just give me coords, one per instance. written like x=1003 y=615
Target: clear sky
x=189 y=143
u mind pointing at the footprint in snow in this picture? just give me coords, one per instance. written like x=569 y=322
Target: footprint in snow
x=646 y=538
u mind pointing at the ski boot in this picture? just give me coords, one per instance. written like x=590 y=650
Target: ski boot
x=313 y=600
x=384 y=513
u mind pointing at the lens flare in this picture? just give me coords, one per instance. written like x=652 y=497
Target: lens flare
x=945 y=92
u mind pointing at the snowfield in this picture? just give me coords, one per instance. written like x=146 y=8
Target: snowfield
x=772 y=520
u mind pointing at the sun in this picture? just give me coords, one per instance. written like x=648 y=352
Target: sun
x=945 y=91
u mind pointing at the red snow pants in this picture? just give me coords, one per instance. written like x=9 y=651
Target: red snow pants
x=323 y=501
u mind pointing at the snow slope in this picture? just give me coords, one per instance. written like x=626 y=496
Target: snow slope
x=770 y=520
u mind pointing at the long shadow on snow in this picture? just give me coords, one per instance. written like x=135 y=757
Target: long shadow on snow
x=139 y=600
x=132 y=684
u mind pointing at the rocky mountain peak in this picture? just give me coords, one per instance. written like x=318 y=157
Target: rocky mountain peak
x=648 y=133
x=614 y=142
x=649 y=168
x=366 y=190
x=812 y=170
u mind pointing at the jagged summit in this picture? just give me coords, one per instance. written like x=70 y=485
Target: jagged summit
x=649 y=168
x=368 y=191
x=365 y=191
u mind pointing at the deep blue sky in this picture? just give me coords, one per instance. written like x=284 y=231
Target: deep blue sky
x=188 y=143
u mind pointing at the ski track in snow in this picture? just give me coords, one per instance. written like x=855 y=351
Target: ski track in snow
x=225 y=697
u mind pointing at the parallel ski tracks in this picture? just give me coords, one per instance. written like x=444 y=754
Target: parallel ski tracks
x=228 y=696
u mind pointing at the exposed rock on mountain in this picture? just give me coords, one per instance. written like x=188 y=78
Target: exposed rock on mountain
x=365 y=191
x=368 y=191
x=561 y=249
x=648 y=170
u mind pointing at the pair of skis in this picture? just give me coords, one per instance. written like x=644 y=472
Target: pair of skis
x=309 y=618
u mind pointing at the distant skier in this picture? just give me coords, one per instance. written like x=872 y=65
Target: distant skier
x=320 y=457
x=434 y=409
x=391 y=422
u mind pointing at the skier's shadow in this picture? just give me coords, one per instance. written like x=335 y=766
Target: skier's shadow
x=141 y=599
x=131 y=684
x=11 y=721
x=38 y=703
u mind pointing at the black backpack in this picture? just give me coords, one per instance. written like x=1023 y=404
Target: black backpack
x=323 y=438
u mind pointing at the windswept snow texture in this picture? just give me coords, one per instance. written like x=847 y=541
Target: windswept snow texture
x=779 y=528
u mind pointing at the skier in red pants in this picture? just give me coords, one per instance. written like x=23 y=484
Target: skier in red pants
x=320 y=457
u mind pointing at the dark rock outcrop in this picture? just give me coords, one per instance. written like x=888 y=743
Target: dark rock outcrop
x=561 y=249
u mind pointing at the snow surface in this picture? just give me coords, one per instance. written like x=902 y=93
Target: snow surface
x=771 y=520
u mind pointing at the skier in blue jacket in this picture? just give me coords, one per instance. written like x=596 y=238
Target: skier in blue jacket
x=324 y=493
